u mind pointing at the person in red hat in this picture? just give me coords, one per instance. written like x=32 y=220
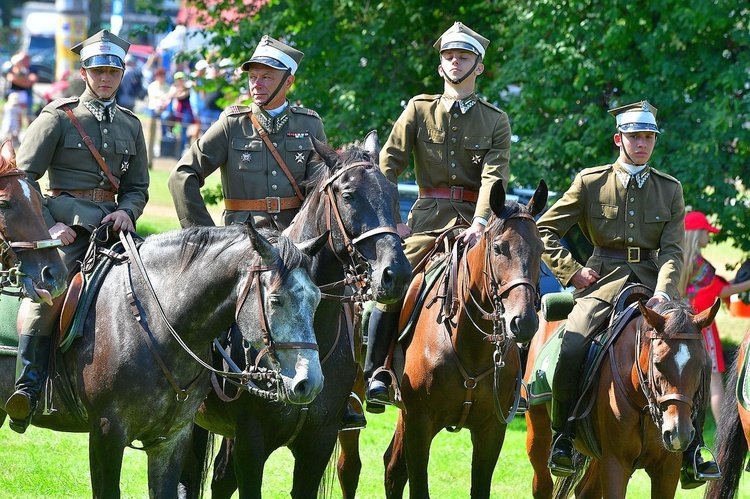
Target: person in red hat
x=701 y=286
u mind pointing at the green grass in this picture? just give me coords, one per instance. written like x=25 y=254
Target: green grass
x=42 y=463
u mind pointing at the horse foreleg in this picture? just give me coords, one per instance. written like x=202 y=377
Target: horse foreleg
x=665 y=476
x=165 y=462
x=538 y=441
x=249 y=460
x=418 y=434
x=395 y=464
x=349 y=465
x=191 y=479
x=487 y=442
x=613 y=477
x=590 y=486
x=105 y=460
x=224 y=480
x=311 y=457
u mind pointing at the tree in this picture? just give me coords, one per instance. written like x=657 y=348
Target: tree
x=555 y=66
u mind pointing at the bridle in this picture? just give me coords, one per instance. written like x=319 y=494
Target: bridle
x=497 y=290
x=356 y=267
x=10 y=264
x=647 y=381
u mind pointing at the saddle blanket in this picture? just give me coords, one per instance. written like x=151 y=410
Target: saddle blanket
x=540 y=383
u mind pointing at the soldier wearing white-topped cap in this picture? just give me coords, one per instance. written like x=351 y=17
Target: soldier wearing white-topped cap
x=88 y=186
x=633 y=214
x=255 y=183
x=461 y=146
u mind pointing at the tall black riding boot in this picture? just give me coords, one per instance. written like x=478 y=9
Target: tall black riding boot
x=380 y=332
x=561 y=454
x=33 y=357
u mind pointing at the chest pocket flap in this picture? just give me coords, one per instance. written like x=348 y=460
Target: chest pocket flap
x=125 y=147
x=432 y=135
x=73 y=140
x=301 y=144
x=477 y=143
x=246 y=144
x=608 y=211
x=657 y=216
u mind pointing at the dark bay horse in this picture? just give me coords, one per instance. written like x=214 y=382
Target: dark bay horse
x=29 y=261
x=649 y=386
x=355 y=202
x=138 y=372
x=463 y=371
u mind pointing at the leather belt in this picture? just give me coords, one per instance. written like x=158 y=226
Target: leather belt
x=269 y=205
x=632 y=254
x=95 y=195
x=458 y=194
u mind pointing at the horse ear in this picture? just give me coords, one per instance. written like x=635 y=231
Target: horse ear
x=329 y=155
x=312 y=246
x=7 y=152
x=497 y=198
x=539 y=200
x=706 y=318
x=654 y=319
x=264 y=248
x=372 y=144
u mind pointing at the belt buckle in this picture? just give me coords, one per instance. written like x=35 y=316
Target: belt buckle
x=97 y=195
x=634 y=250
x=269 y=205
x=457 y=194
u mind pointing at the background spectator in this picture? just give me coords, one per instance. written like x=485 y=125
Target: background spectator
x=21 y=80
x=12 y=117
x=131 y=89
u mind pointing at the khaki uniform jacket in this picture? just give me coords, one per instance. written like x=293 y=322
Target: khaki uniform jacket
x=451 y=149
x=248 y=169
x=54 y=146
x=650 y=217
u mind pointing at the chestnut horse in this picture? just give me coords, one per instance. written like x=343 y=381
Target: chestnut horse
x=139 y=371
x=649 y=385
x=462 y=367
x=29 y=263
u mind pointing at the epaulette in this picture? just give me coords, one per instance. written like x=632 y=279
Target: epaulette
x=490 y=105
x=62 y=101
x=596 y=169
x=664 y=175
x=237 y=109
x=127 y=111
x=303 y=110
x=426 y=97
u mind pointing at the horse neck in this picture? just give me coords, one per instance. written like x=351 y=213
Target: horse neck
x=471 y=283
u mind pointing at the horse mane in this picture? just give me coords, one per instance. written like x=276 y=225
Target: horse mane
x=352 y=153
x=679 y=317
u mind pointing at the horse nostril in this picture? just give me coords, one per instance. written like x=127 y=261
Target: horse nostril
x=47 y=275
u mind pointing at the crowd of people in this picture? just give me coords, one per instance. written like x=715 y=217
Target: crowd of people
x=632 y=212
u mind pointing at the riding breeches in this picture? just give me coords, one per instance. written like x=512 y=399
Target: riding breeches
x=589 y=316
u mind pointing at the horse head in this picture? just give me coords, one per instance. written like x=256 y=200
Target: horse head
x=510 y=254
x=356 y=202
x=28 y=257
x=673 y=366
x=283 y=304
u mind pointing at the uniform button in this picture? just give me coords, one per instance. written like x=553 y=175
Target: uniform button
x=126 y=151
x=657 y=217
x=105 y=145
x=453 y=153
x=455 y=115
x=79 y=144
x=453 y=139
x=275 y=217
x=274 y=187
x=632 y=200
x=275 y=144
x=273 y=172
x=300 y=147
x=631 y=225
x=455 y=128
x=630 y=239
x=476 y=146
x=101 y=183
x=453 y=165
x=631 y=213
x=453 y=177
x=105 y=131
x=247 y=146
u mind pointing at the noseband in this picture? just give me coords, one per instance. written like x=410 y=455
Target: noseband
x=647 y=381
x=10 y=264
x=357 y=267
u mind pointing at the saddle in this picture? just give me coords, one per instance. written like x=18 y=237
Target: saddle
x=557 y=307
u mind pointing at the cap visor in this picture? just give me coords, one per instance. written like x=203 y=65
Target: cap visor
x=99 y=61
x=265 y=61
x=638 y=127
x=459 y=45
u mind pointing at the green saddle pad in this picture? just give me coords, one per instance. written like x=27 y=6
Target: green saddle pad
x=540 y=383
x=9 y=306
x=743 y=384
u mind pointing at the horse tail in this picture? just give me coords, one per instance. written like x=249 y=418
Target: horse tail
x=564 y=486
x=325 y=489
x=731 y=446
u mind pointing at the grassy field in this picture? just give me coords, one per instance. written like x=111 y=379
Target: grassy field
x=46 y=464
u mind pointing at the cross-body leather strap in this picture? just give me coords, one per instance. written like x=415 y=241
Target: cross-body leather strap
x=90 y=144
x=264 y=136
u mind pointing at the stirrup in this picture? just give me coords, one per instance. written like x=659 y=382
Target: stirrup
x=703 y=476
x=557 y=469
x=356 y=420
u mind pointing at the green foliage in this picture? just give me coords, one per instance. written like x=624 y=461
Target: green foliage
x=555 y=66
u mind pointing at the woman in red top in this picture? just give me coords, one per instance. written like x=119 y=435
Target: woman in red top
x=701 y=287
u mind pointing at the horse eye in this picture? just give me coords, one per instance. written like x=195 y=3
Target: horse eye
x=347 y=196
x=4 y=204
x=276 y=300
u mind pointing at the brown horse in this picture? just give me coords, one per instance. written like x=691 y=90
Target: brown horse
x=649 y=385
x=462 y=369
x=29 y=262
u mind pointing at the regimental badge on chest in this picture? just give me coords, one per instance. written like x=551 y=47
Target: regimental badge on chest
x=476 y=159
x=299 y=157
x=246 y=157
x=125 y=164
